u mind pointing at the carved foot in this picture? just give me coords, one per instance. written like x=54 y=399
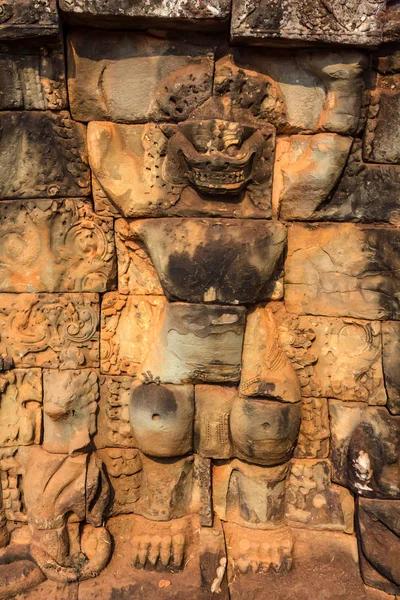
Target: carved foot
x=259 y=551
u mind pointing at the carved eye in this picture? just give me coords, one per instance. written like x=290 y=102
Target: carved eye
x=6 y=12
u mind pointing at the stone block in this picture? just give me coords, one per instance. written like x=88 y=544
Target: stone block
x=136 y=78
x=28 y=18
x=11 y=485
x=325 y=564
x=358 y=22
x=313 y=440
x=343 y=270
x=55 y=246
x=378 y=524
x=161 y=418
x=127 y=331
x=391 y=353
x=345 y=360
x=42 y=154
x=307 y=168
x=264 y=431
x=144 y=13
x=312 y=501
x=208 y=166
x=211 y=428
x=365 y=449
x=365 y=192
x=69 y=410
x=251 y=496
x=57 y=331
x=113 y=426
x=196 y=343
x=295 y=90
x=20 y=408
x=381 y=141
x=266 y=369
x=189 y=262
x=32 y=78
x=124 y=469
x=252 y=551
x=136 y=274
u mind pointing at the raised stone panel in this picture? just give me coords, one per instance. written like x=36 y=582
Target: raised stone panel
x=381 y=143
x=343 y=270
x=314 y=434
x=187 y=256
x=42 y=154
x=158 y=170
x=307 y=167
x=137 y=78
x=20 y=408
x=55 y=246
x=312 y=501
x=365 y=192
x=127 y=330
x=148 y=13
x=358 y=22
x=113 y=426
x=136 y=274
x=70 y=400
x=32 y=79
x=58 y=331
x=28 y=18
x=344 y=359
x=124 y=468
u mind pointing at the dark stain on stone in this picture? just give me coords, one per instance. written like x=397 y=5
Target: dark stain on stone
x=224 y=268
x=156 y=398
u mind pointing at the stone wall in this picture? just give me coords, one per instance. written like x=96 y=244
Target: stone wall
x=199 y=299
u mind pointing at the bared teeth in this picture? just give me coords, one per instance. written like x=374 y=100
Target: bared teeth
x=218 y=177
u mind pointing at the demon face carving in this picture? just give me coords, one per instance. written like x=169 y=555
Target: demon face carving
x=220 y=157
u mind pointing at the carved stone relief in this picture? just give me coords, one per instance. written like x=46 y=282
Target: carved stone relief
x=50 y=330
x=198 y=392
x=322 y=257
x=54 y=246
x=26 y=138
x=28 y=18
x=32 y=78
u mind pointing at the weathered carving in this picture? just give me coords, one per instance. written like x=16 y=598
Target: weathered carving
x=32 y=78
x=358 y=22
x=24 y=173
x=124 y=469
x=365 y=192
x=54 y=245
x=196 y=343
x=113 y=427
x=321 y=257
x=136 y=274
x=69 y=407
x=381 y=143
x=187 y=257
x=266 y=369
x=28 y=18
x=391 y=347
x=50 y=330
x=306 y=170
x=56 y=485
x=313 y=440
x=20 y=407
x=146 y=13
x=146 y=64
x=313 y=502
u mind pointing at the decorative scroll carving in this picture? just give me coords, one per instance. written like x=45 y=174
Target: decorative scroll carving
x=54 y=245
x=50 y=330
